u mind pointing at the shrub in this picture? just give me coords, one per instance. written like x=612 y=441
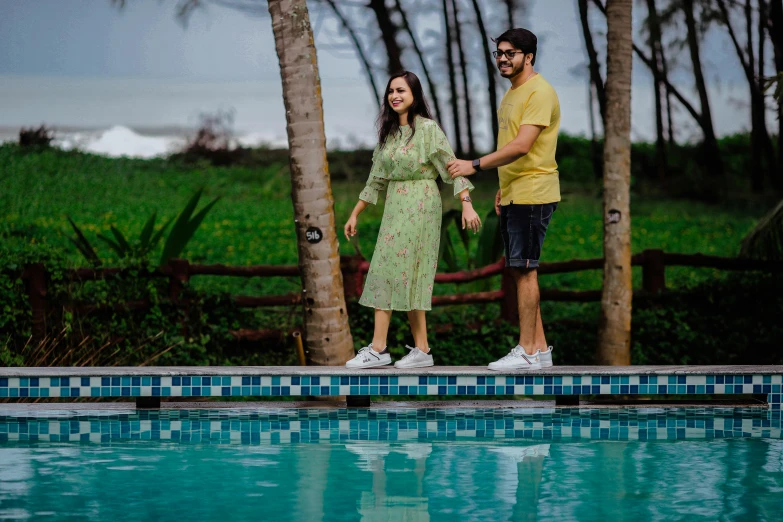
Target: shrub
x=40 y=137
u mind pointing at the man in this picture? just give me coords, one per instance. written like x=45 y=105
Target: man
x=529 y=120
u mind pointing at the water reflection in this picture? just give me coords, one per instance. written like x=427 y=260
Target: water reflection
x=390 y=480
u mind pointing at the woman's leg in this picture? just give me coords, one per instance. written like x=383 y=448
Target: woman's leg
x=419 y=329
x=382 y=320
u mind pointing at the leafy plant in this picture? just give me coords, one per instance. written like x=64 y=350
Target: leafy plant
x=765 y=241
x=181 y=233
x=490 y=244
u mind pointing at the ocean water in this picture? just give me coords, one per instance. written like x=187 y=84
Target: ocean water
x=391 y=465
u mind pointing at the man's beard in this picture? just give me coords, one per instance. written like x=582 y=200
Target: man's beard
x=511 y=71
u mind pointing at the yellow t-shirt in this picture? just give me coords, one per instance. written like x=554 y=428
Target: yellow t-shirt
x=533 y=178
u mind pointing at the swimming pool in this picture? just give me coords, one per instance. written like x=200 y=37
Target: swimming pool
x=392 y=464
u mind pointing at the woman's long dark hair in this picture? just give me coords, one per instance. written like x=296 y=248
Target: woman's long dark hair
x=389 y=121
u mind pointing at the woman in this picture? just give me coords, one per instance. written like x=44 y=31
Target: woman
x=412 y=152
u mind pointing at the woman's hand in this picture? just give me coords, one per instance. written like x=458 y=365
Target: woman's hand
x=470 y=219
x=350 y=227
x=497 y=203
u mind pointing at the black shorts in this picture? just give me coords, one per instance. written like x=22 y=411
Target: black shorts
x=523 y=228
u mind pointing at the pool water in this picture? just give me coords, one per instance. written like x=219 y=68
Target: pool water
x=404 y=464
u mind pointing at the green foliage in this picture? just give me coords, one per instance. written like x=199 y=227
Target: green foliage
x=765 y=241
x=488 y=250
x=181 y=233
x=184 y=227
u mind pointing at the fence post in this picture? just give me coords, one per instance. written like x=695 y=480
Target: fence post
x=34 y=276
x=509 y=308
x=654 y=271
x=180 y=275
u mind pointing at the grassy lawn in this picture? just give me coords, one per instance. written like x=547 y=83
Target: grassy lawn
x=253 y=222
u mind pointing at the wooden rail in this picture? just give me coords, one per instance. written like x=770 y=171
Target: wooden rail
x=354 y=268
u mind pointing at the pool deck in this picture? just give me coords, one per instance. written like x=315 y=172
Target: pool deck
x=147 y=385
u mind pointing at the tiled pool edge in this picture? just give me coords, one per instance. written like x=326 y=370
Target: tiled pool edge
x=286 y=425
x=148 y=385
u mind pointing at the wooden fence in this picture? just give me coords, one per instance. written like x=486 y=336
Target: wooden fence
x=354 y=269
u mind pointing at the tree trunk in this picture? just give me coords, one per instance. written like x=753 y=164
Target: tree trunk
x=595 y=149
x=359 y=50
x=665 y=80
x=592 y=56
x=388 y=35
x=463 y=65
x=712 y=158
x=655 y=46
x=327 y=333
x=769 y=152
x=614 y=335
x=776 y=35
x=761 y=145
x=491 y=71
x=510 y=12
x=450 y=67
x=431 y=85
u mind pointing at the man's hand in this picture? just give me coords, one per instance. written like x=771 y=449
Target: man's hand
x=497 y=203
x=460 y=168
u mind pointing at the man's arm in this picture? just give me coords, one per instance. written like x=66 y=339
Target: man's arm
x=513 y=150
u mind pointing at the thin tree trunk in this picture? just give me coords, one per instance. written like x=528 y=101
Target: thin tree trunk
x=431 y=85
x=759 y=136
x=614 y=336
x=670 y=89
x=491 y=71
x=510 y=12
x=665 y=80
x=595 y=150
x=388 y=35
x=463 y=65
x=326 y=327
x=769 y=152
x=757 y=106
x=359 y=49
x=592 y=56
x=450 y=67
x=655 y=46
x=775 y=27
x=712 y=158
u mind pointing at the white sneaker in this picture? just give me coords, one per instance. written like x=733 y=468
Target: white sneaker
x=415 y=359
x=369 y=358
x=545 y=357
x=517 y=359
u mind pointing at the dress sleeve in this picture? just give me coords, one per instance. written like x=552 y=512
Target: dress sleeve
x=440 y=153
x=377 y=180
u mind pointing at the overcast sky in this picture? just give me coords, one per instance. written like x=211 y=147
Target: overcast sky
x=81 y=62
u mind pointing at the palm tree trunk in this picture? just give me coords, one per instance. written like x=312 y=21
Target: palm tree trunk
x=388 y=35
x=463 y=65
x=655 y=46
x=712 y=158
x=327 y=333
x=491 y=71
x=450 y=66
x=614 y=335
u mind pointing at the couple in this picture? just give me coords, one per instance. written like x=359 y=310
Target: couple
x=412 y=152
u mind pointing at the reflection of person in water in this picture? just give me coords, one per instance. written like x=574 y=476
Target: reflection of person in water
x=529 y=461
x=381 y=503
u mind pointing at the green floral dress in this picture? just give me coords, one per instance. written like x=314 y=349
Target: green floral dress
x=402 y=270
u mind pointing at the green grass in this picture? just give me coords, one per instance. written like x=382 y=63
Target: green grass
x=253 y=222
